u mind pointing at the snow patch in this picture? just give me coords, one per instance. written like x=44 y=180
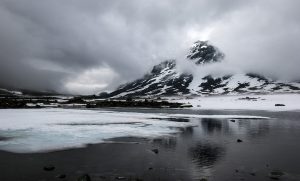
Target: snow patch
x=254 y=102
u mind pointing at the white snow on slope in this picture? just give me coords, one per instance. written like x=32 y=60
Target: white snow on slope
x=39 y=130
x=11 y=92
x=157 y=79
x=262 y=102
x=252 y=85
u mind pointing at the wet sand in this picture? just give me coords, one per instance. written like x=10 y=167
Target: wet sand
x=209 y=151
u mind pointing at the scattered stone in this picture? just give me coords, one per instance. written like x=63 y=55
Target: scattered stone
x=203 y=179
x=49 y=168
x=279 y=105
x=84 y=177
x=239 y=140
x=232 y=120
x=249 y=98
x=120 y=178
x=61 y=176
x=276 y=174
x=155 y=151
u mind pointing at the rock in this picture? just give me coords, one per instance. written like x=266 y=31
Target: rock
x=203 y=179
x=279 y=105
x=252 y=173
x=120 y=178
x=150 y=168
x=275 y=174
x=239 y=140
x=84 y=177
x=61 y=176
x=232 y=120
x=236 y=170
x=155 y=151
x=49 y=168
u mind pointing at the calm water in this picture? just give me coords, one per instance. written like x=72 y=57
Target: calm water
x=208 y=150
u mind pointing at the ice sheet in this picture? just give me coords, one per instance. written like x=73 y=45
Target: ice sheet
x=39 y=130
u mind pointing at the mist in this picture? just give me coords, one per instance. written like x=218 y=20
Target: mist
x=85 y=47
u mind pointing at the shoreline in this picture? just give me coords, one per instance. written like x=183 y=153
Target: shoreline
x=209 y=150
x=102 y=161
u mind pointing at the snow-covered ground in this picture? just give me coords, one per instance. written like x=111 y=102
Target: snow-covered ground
x=38 y=130
x=254 y=102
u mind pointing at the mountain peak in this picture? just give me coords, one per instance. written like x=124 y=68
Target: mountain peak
x=165 y=80
x=165 y=64
x=203 y=52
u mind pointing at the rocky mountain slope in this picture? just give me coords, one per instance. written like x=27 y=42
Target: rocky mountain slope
x=165 y=80
x=202 y=53
x=162 y=80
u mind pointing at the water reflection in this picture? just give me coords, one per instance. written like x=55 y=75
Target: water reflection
x=255 y=128
x=206 y=154
x=210 y=150
x=215 y=126
x=168 y=142
x=205 y=145
x=171 y=142
x=252 y=128
x=187 y=132
x=211 y=125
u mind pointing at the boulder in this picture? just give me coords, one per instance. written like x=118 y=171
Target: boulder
x=279 y=105
x=275 y=174
x=239 y=140
x=49 y=168
x=155 y=151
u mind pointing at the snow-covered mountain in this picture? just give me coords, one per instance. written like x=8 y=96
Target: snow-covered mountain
x=4 y=92
x=162 y=80
x=165 y=79
x=25 y=92
x=202 y=53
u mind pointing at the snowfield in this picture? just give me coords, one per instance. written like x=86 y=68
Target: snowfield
x=244 y=102
x=40 y=130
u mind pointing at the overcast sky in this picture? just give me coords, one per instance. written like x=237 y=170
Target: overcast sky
x=84 y=47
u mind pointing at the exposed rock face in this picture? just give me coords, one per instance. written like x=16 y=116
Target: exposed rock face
x=162 y=80
x=165 y=79
x=241 y=84
x=202 y=52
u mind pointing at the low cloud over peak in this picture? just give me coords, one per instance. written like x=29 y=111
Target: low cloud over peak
x=85 y=47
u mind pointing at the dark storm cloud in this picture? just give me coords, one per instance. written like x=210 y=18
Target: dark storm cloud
x=87 y=46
